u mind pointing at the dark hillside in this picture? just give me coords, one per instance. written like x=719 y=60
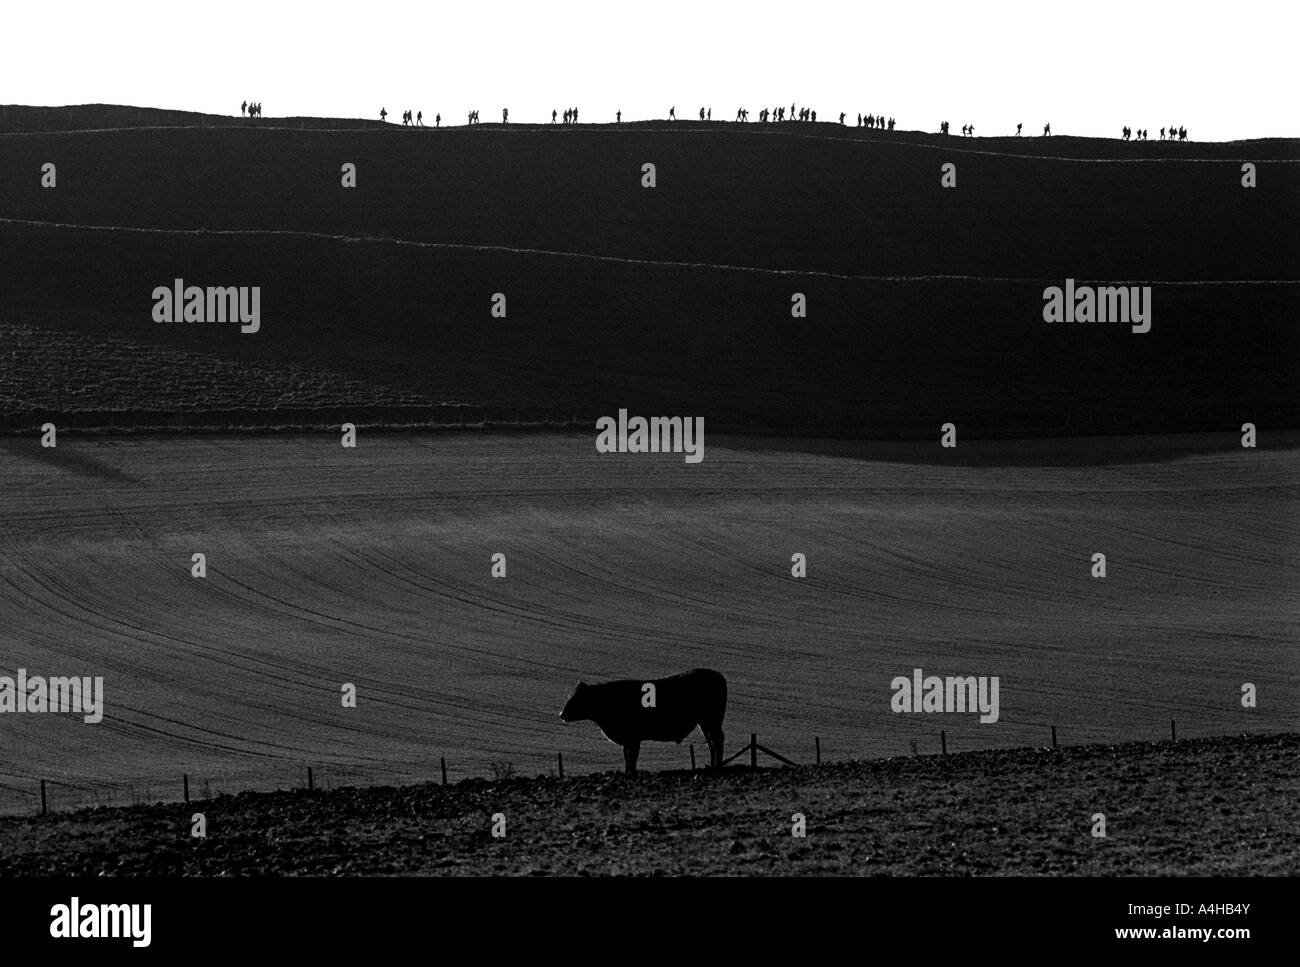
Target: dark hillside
x=602 y=315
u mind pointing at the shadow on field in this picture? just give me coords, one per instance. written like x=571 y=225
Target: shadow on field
x=1033 y=452
x=62 y=458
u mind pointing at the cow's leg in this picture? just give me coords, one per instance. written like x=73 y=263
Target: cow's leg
x=714 y=737
x=630 y=752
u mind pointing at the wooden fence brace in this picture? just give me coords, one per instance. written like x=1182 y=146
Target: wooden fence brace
x=943 y=742
x=753 y=748
x=444 y=769
x=43 y=808
x=185 y=779
x=775 y=755
x=818 y=743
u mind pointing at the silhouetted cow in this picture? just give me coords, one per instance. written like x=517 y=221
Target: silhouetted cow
x=624 y=712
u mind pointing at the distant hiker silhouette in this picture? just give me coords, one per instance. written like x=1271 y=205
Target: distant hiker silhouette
x=618 y=117
x=437 y=120
x=1047 y=129
x=672 y=114
x=243 y=108
x=841 y=117
x=383 y=115
x=575 y=115
x=505 y=115
x=419 y=118
x=553 y=115
x=1018 y=127
x=1162 y=134
x=1182 y=134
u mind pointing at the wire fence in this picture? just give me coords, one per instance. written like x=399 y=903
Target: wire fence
x=47 y=796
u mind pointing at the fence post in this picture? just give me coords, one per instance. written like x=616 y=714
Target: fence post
x=753 y=750
x=1173 y=732
x=692 y=757
x=1053 y=736
x=444 y=770
x=818 y=743
x=311 y=782
x=43 y=809
x=185 y=778
x=943 y=742
x=560 y=756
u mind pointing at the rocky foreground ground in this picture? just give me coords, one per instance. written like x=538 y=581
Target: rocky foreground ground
x=1227 y=806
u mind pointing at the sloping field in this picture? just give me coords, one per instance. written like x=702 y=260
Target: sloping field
x=371 y=566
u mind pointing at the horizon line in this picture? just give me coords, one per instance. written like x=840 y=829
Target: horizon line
x=688 y=123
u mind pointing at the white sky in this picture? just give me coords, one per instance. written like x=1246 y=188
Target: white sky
x=1223 y=70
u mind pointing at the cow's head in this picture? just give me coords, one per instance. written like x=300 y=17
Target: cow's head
x=575 y=707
